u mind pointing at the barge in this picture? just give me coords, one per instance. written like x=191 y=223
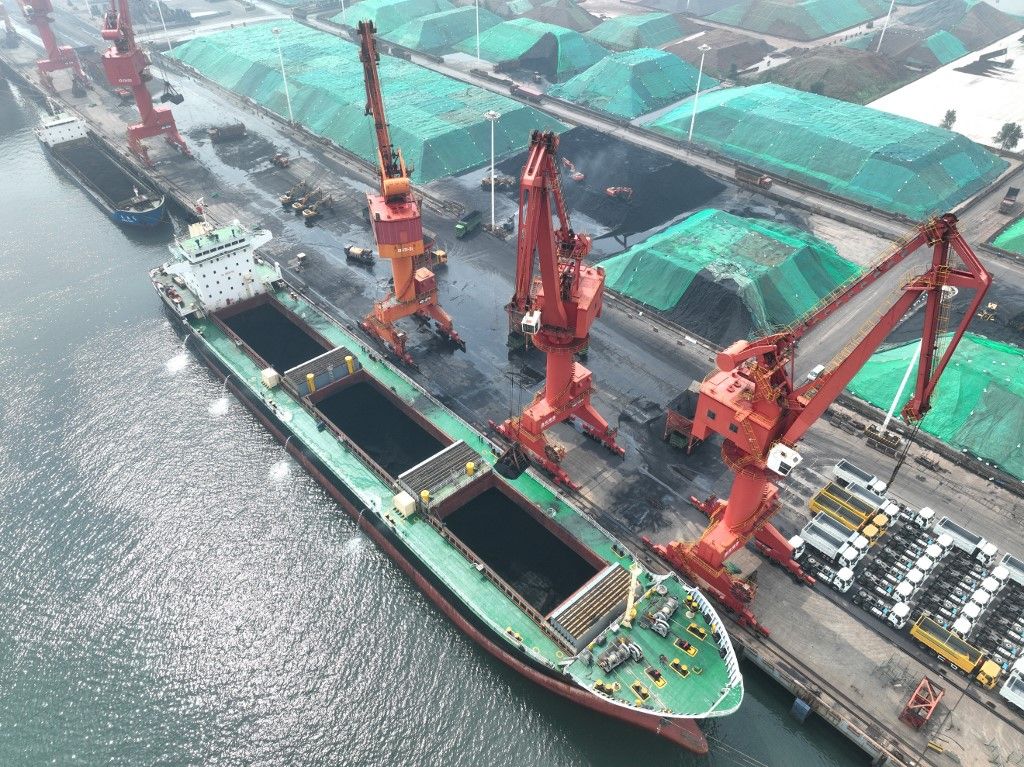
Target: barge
x=127 y=199
x=532 y=579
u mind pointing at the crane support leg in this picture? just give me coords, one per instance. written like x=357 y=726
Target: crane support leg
x=566 y=396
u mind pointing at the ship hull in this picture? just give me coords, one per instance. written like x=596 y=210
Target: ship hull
x=682 y=732
x=106 y=182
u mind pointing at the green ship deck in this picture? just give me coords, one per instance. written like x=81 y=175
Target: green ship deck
x=686 y=674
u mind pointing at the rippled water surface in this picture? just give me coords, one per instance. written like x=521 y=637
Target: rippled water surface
x=175 y=590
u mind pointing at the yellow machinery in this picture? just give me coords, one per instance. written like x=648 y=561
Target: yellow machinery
x=954 y=650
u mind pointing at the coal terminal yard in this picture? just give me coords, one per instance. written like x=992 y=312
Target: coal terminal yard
x=863 y=665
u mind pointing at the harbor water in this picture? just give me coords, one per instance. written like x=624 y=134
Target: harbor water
x=175 y=590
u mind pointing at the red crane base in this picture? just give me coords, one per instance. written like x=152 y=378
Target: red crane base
x=379 y=325
x=733 y=593
x=161 y=123
x=528 y=429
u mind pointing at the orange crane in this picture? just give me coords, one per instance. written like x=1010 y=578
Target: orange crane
x=555 y=310
x=397 y=227
x=753 y=401
x=39 y=13
x=127 y=65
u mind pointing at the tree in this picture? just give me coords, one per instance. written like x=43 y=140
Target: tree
x=948 y=120
x=1009 y=135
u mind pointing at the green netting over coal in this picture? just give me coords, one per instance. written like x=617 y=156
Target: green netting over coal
x=555 y=51
x=713 y=261
x=978 y=404
x=946 y=46
x=800 y=19
x=633 y=83
x=1012 y=238
x=388 y=15
x=647 y=30
x=437 y=121
x=856 y=152
x=438 y=33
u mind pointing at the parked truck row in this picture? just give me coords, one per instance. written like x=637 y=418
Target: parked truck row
x=935 y=579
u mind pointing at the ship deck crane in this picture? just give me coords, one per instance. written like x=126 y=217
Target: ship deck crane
x=397 y=227
x=555 y=310
x=127 y=66
x=754 y=403
x=39 y=13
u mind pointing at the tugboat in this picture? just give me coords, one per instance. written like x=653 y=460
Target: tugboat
x=124 y=196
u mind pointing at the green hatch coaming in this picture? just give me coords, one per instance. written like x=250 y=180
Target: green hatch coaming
x=695 y=696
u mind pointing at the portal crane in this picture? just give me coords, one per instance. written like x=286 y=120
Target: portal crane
x=39 y=13
x=754 y=403
x=127 y=66
x=556 y=310
x=397 y=227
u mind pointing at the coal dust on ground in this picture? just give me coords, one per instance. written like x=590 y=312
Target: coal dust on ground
x=385 y=433
x=539 y=566
x=274 y=337
x=662 y=188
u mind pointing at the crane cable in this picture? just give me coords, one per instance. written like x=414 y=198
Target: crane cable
x=903 y=455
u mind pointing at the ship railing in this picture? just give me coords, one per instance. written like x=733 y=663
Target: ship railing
x=731 y=664
x=499 y=582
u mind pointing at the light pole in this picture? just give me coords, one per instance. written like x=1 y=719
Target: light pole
x=478 y=30
x=700 y=71
x=284 y=77
x=492 y=116
x=885 y=27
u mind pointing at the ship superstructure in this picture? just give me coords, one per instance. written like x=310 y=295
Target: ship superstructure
x=533 y=579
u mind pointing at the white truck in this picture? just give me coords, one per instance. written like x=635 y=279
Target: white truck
x=849 y=474
x=970 y=543
x=830 y=550
x=1012 y=690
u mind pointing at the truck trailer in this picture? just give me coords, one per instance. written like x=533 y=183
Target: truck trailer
x=955 y=651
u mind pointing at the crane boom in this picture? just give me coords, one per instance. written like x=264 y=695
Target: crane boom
x=394 y=176
x=555 y=309
x=752 y=402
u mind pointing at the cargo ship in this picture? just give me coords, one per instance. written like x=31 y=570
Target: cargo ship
x=126 y=198
x=534 y=580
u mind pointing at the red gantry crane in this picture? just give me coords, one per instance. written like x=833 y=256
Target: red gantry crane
x=556 y=310
x=127 y=66
x=753 y=401
x=39 y=13
x=397 y=227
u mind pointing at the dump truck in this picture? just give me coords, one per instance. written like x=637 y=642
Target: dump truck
x=1010 y=201
x=972 y=544
x=847 y=473
x=468 y=224
x=955 y=651
x=849 y=509
x=356 y=253
x=224 y=133
x=755 y=177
